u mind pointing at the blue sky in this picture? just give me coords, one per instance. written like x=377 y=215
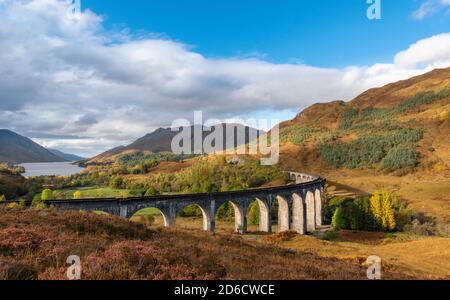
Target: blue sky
x=325 y=33
x=117 y=70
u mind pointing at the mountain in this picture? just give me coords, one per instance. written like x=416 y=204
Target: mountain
x=399 y=128
x=65 y=156
x=15 y=148
x=161 y=139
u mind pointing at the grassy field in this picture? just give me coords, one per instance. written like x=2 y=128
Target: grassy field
x=149 y=212
x=92 y=192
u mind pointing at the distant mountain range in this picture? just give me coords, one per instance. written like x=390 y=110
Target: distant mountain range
x=15 y=148
x=161 y=139
x=65 y=156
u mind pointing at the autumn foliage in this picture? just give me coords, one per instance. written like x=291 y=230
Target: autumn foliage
x=382 y=209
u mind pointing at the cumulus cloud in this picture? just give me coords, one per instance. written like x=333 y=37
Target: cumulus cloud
x=432 y=52
x=72 y=85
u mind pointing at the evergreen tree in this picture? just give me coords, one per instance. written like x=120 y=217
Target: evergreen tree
x=363 y=214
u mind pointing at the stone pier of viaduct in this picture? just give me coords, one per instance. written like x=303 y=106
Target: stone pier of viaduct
x=299 y=205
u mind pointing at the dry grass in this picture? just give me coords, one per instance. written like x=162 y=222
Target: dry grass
x=403 y=256
x=416 y=257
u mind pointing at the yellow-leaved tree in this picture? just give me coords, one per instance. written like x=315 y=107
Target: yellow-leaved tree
x=77 y=195
x=382 y=208
x=2 y=198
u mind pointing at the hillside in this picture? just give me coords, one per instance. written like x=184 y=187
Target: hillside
x=19 y=149
x=66 y=156
x=161 y=141
x=113 y=248
x=393 y=137
x=400 y=128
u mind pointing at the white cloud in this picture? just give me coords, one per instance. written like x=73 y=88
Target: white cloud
x=429 y=8
x=432 y=52
x=91 y=89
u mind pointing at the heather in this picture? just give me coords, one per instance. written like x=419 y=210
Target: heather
x=34 y=244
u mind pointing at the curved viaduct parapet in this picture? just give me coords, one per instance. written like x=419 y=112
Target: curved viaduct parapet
x=300 y=205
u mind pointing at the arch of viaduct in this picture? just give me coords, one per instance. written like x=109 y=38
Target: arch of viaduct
x=299 y=205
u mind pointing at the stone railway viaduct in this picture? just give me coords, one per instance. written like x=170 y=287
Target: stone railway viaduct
x=299 y=205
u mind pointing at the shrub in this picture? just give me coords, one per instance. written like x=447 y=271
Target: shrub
x=382 y=211
x=443 y=116
x=13 y=205
x=124 y=194
x=348 y=118
x=147 y=220
x=58 y=195
x=338 y=221
x=47 y=194
x=331 y=235
x=151 y=191
x=22 y=204
x=191 y=211
x=416 y=227
x=332 y=205
x=226 y=212
x=296 y=134
x=422 y=98
x=360 y=214
x=371 y=113
x=117 y=182
x=368 y=150
x=400 y=157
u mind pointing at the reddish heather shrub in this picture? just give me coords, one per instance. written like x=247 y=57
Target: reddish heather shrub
x=11 y=269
